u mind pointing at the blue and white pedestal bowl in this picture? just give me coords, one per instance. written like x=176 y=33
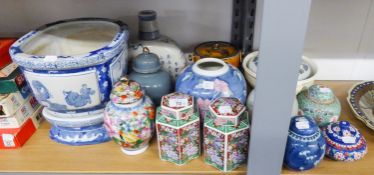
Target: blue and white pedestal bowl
x=71 y=66
x=79 y=136
x=74 y=120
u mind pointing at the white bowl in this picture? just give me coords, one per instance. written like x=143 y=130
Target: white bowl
x=74 y=120
x=251 y=99
x=301 y=84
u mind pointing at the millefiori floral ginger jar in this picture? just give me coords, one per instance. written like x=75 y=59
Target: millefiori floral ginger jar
x=178 y=129
x=320 y=103
x=146 y=70
x=71 y=66
x=171 y=56
x=129 y=117
x=344 y=142
x=211 y=78
x=305 y=144
x=226 y=134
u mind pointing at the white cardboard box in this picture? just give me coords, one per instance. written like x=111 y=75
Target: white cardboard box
x=21 y=115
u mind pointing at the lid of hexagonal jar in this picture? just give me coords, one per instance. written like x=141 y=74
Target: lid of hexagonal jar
x=226 y=111
x=177 y=105
x=226 y=129
x=303 y=126
x=342 y=135
x=146 y=62
x=176 y=123
x=320 y=94
x=126 y=91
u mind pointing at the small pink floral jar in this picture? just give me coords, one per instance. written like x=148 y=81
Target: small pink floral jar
x=129 y=117
x=226 y=134
x=178 y=129
x=344 y=142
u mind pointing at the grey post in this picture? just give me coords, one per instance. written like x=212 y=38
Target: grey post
x=243 y=21
x=283 y=28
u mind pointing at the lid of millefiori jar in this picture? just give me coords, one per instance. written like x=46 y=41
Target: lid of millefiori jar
x=146 y=62
x=342 y=134
x=303 y=126
x=321 y=94
x=126 y=91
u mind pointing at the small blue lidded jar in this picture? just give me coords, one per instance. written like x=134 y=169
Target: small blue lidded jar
x=148 y=73
x=344 y=142
x=305 y=144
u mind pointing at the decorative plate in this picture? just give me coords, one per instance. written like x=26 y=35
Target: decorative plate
x=361 y=100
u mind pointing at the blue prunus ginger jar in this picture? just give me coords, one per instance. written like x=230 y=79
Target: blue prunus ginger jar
x=305 y=144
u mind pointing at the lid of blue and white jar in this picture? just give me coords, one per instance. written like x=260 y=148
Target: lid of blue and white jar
x=342 y=133
x=148 y=28
x=147 y=15
x=146 y=62
x=321 y=94
x=303 y=126
x=126 y=92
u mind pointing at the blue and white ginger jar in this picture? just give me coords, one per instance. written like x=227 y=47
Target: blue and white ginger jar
x=305 y=144
x=211 y=78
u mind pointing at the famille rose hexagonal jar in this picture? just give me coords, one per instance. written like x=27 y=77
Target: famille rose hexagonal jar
x=226 y=134
x=178 y=129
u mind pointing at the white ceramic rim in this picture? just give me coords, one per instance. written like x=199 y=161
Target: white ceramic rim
x=73 y=117
x=248 y=58
x=59 y=63
x=134 y=152
x=294 y=106
x=210 y=73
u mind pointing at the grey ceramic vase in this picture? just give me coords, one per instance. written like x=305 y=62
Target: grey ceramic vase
x=148 y=73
